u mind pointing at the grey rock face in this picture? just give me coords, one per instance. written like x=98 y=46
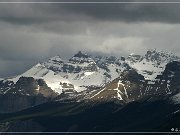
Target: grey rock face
x=27 y=92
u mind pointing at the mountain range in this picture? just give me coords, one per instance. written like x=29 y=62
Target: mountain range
x=138 y=92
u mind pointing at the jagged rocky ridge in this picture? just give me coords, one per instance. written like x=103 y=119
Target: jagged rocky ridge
x=93 y=78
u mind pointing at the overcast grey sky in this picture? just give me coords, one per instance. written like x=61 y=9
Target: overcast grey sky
x=32 y=32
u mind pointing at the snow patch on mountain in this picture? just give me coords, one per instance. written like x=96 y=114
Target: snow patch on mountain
x=118 y=91
x=97 y=93
x=152 y=63
x=148 y=69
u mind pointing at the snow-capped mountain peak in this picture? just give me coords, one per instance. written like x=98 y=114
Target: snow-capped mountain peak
x=81 y=55
x=160 y=56
x=81 y=58
x=84 y=72
x=152 y=63
x=56 y=58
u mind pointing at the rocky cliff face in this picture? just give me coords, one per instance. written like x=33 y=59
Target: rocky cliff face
x=27 y=92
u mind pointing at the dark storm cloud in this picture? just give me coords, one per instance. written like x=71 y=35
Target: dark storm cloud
x=127 y=12
x=42 y=13
x=166 y=13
